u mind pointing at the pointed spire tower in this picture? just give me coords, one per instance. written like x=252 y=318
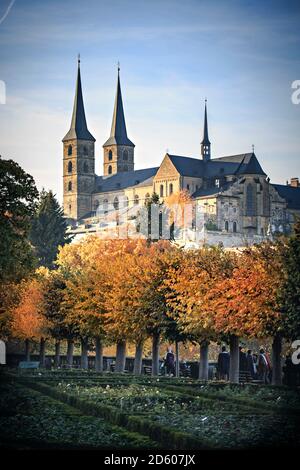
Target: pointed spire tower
x=79 y=160
x=78 y=129
x=118 y=149
x=205 y=144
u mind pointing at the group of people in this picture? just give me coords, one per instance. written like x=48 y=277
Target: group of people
x=252 y=366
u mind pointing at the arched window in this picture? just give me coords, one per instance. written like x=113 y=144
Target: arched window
x=110 y=170
x=226 y=226
x=250 y=201
x=85 y=150
x=105 y=206
x=116 y=203
x=85 y=167
x=161 y=190
x=125 y=155
x=70 y=167
x=125 y=168
x=70 y=150
x=136 y=200
x=110 y=155
x=171 y=188
x=234 y=227
x=70 y=186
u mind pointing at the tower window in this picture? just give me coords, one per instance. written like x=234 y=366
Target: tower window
x=70 y=150
x=70 y=167
x=70 y=186
x=85 y=150
x=125 y=168
x=116 y=203
x=161 y=190
x=110 y=170
x=125 y=155
x=110 y=155
x=85 y=167
x=171 y=188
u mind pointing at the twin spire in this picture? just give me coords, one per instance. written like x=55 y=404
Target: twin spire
x=118 y=133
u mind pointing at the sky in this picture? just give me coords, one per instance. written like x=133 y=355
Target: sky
x=243 y=56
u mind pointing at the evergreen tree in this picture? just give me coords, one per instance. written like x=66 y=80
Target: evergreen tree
x=48 y=229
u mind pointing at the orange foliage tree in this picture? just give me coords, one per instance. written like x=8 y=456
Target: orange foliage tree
x=28 y=322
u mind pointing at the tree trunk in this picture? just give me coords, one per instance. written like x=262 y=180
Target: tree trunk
x=57 y=354
x=70 y=351
x=99 y=355
x=177 y=368
x=234 y=368
x=137 y=370
x=155 y=354
x=42 y=352
x=276 y=359
x=84 y=354
x=120 y=356
x=203 y=364
x=27 y=350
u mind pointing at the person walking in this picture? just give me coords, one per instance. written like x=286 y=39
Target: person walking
x=223 y=364
x=170 y=362
x=263 y=367
x=250 y=365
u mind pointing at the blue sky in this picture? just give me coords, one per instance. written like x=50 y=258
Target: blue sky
x=242 y=55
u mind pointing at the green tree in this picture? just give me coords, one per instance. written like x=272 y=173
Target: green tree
x=48 y=229
x=18 y=196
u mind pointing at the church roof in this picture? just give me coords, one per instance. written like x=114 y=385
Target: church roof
x=245 y=163
x=214 y=191
x=118 y=133
x=290 y=194
x=78 y=129
x=125 y=179
x=187 y=166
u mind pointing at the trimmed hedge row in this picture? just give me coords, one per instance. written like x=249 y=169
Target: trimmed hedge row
x=167 y=438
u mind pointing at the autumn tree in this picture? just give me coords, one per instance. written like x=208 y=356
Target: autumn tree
x=188 y=296
x=28 y=321
x=246 y=304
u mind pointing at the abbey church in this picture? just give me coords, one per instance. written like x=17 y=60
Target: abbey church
x=233 y=192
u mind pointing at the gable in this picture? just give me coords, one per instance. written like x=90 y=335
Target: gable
x=166 y=170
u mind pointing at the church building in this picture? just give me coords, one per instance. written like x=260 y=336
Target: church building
x=233 y=192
